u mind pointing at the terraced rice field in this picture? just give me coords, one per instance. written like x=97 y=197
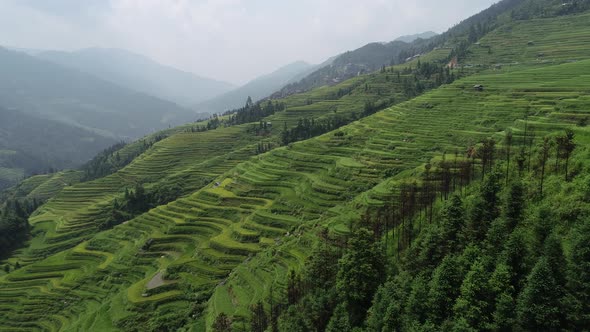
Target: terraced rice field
x=249 y=218
x=536 y=42
x=43 y=187
x=189 y=159
x=225 y=245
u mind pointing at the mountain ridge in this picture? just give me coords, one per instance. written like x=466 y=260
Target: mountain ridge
x=258 y=88
x=82 y=99
x=140 y=73
x=411 y=38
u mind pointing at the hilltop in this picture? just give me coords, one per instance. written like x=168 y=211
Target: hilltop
x=411 y=38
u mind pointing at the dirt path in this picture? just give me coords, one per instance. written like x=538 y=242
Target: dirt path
x=156 y=281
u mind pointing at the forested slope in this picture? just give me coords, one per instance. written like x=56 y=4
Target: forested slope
x=30 y=145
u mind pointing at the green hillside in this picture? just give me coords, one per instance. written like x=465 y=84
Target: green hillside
x=44 y=187
x=245 y=211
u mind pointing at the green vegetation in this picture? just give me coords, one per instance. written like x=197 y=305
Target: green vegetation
x=496 y=252
x=14 y=227
x=404 y=199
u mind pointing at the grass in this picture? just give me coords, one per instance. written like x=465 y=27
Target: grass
x=226 y=246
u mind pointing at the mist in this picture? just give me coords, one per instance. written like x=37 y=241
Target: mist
x=228 y=40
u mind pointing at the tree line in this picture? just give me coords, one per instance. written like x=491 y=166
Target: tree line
x=111 y=159
x=14 y=224
x=137 y=201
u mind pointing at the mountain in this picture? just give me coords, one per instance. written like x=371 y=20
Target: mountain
x=31 y=145
x=140 y=73
x=373 y=56
x=366 y=59
x=417 y=197
x=258 y=88
x=411 y=38
x=59 y=93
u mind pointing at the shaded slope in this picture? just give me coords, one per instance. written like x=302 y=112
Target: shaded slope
x=59 y=93
x=30 y=145
x=140 y=73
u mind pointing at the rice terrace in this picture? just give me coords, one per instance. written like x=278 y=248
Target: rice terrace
x=437 y=182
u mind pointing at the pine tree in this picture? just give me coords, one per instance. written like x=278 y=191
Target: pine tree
x=505 y=303
x=565 y=147
x=392 y=320
x=453 y=222
x=486 y=207
x=293 y=288
x=294 y=320
x=322 y=267
x=444 y=289
x=474 y=302
x=416 y=311
x=553 y=252
x=514 y=204
x=487 y=151
x=543 y=157
x=515 y=256
x=579 y=278
x=340 y=321
x=508 y=141
x=539 y=306
x=360 y=273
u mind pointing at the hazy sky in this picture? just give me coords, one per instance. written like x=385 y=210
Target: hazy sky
x=231 y=40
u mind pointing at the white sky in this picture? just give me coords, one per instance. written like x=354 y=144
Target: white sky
x=231 y=40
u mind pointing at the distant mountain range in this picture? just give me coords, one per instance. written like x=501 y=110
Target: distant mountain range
x=139 y=73
x=60 y=93
x=30 y=145
x=300 y=76
x=53 y=116
x=258 y=88
x=86 y=100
